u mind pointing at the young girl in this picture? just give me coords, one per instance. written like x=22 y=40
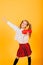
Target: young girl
x=22 y=35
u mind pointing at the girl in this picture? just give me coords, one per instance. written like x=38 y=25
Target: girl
x=22 y=35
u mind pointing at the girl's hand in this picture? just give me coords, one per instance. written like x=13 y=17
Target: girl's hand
x=4 y=19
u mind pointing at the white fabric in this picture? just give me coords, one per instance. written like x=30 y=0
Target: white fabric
x=20 y=37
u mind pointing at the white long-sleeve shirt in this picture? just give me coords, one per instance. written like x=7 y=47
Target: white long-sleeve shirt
x=20 y=37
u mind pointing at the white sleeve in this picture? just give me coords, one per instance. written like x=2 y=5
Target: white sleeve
x=13 y=26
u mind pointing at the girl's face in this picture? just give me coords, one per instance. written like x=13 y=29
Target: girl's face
x=24 y=24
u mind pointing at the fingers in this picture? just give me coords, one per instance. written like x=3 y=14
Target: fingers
x=4 y=19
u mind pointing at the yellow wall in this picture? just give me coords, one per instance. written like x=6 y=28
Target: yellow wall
x=15 y=11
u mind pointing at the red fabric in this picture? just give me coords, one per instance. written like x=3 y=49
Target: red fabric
x=27 y=31
x=24 y=50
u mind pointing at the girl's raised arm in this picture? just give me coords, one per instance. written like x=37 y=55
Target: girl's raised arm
x=11 y=25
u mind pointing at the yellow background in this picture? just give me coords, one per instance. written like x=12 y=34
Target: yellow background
x=15 y=11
